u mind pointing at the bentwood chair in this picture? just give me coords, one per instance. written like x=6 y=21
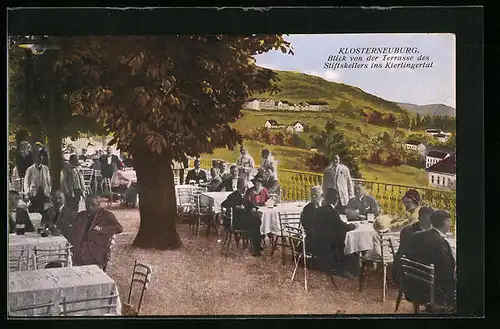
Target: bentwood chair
x=87 y=179
x=18 y=260
x=385 y=257
x=49 y=258
x=231 y=232
x=417 y=283
x=141 y=275
x=283 y=240
x=84 y=305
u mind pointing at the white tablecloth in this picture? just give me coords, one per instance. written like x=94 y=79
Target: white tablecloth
x=213 y=199
x=123 y=177
x=29 y=241
x=185 y=198
x=359 y=239
x=270 y=220
x=40 y=286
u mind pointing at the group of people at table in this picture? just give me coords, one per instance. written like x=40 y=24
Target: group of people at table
x=331 y=214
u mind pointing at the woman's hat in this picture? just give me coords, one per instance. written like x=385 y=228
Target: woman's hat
x=412 y=194
x=382 y=223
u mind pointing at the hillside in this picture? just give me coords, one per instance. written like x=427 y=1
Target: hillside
x=299 y=87
x=429 y=109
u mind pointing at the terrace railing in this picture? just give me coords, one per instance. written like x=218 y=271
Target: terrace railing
x=297 y=187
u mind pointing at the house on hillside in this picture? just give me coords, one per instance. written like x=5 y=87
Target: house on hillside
x=443 y=173
x=433 y=132
x=289 y=130
x=268 y=105
x=415 y=146
x=441 y=137
x=434 y=157
x=252 y=104
x=273 y=124
x=317 y=105
x=298 y=127
x=283 y=106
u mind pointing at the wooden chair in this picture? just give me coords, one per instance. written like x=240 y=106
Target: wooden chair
x=142 y=275
x=43 y=309
x=201 y=214
x=185 y=203
x=110 y=306
x=232 y=232
x=418 y=283
x=285 y=219
x=297 y=240
x=46 y=258
x=385 y=258
x=87 y=179
x=17 y=260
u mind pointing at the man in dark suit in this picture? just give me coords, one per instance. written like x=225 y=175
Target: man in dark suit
x=17 y=215
x=423 y=224
x=245 y=215
x=58 y=218
x=110 y=164
x=430 y=247
x=307 y=215
x=328 y=234
x=231 y=181
x=197 y=174
x=92 y=234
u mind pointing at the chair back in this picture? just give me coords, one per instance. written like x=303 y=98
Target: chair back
x=288 y=219
x=107 y=303
x=18 y=260
x=296 y=233
x=387 y=243
x=142 y=275
x=46 y=258
x=417 y=281
x=42 y=309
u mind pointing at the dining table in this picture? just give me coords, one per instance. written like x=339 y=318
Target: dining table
x=270 y=216
x=213 y=199
x=28 y=241
x=52 y=285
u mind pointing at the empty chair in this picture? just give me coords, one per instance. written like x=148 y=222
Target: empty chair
x=384 y=256
x=231 y=232
x=18 y=260
x=297 y=240
x=87 y=179
x=282 y=240
x=52 y=258
x=84 y=306
x=141 y=275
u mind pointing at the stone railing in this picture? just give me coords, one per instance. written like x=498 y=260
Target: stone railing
x=297 y=187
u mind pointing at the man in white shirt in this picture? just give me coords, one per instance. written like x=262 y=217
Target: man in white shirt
x=338 y=177
x=37 y=183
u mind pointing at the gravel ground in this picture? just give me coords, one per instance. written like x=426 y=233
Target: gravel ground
x=198 y=280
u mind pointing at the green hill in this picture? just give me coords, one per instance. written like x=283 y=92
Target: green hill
x=299 y=87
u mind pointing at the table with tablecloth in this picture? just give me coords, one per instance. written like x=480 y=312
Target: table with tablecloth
x=123 y=177
x=213 y=199
x=29 y=241
x=72 y=283
x=270 y=219
x=185 y=198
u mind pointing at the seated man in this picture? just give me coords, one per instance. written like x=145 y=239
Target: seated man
x=92 y=234
x=245 y=215
x=18 y=215
x=361 y=205
x=328 y=234
x=423 y=224
x=307 y=215
x=58 y=218
x=223 y=170
x=231 y=181
x=430 y=247
x=271 y=181
x=197 y=174
x=215 y=181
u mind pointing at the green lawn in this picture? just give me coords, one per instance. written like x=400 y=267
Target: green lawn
x=294 y=158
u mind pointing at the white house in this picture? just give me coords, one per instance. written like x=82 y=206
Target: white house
x=272 y=124
x=267 y=104
x=317 y=106
x=289 y=130
x=441 y=137
x=443 y=173
x=433 y=132
x=415 y=146
x=434 y=157
x=298 y=127
x=252 y=104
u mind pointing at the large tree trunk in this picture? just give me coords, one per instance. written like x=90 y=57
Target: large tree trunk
x=55 y=161
x=157 y=202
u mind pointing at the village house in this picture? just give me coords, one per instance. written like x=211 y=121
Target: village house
x=252 y=104
x=289 y=130
x=442 y=137
x=433 y=132
x=443 y=173
x=273 y=124
x=268 y=105
x=317 y=106
x=282 y=106
x=434 y=157
x=415 y=146
x=298 y=127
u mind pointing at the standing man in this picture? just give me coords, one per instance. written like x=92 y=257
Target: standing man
x=24 y=159
x=268 y=161
x=338 y=177
x=39 y=147
x=38 y=184
x=58 y=218
x=92 y=233
x=84 y=156
x=110 y=164
x=72 y=183
x=245 y=162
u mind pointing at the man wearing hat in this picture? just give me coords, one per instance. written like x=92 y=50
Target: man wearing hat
x=411 y=201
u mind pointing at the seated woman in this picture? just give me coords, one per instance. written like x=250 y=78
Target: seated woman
x=258 y=194
x=18 y=215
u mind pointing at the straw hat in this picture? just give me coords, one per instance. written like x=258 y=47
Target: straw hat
x=382 y=223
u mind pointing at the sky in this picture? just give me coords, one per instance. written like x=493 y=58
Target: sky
x=435 y=85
